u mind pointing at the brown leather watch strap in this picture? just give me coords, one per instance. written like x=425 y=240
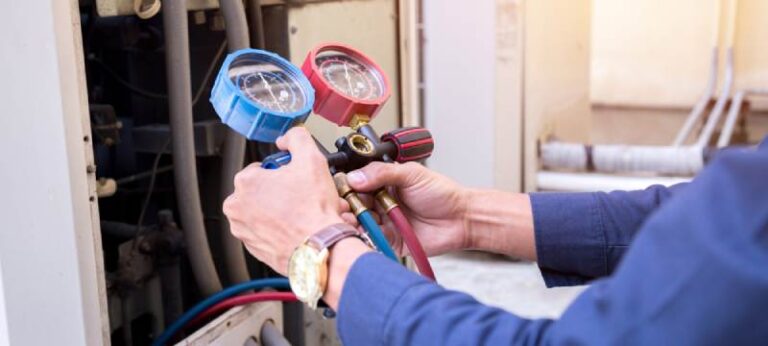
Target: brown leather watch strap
x=332 y=234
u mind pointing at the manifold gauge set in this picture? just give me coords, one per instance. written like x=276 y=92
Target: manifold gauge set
x=262 y=95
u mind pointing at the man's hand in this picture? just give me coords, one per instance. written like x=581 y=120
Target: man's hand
x=273 y=211
x=435 y=205
x=448 y=217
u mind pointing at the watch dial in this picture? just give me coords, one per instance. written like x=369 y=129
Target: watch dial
x=303 y=273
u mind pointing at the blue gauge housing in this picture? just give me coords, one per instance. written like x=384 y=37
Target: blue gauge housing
x=250 y=118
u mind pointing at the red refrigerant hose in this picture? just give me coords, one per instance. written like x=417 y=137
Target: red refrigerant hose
x=405 y=229
x=243 y=300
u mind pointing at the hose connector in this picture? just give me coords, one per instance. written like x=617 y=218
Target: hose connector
x=342 y=186
x=386 y=200
x=345 y=191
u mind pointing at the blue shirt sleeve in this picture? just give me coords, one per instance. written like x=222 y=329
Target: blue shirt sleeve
x=583 y=236
x=695 y=274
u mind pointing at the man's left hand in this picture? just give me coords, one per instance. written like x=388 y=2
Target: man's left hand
x=273 y=211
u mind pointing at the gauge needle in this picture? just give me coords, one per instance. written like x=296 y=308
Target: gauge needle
x=269 y=88
x=349 y=81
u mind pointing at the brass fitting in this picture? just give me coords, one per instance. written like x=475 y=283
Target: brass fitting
x=358 y=120
x=345 y=191
x=342 y=186
x=356 y=204
x=360 y=144
x=386 y=200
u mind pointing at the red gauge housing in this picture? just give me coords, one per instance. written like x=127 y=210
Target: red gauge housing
x=368 y=87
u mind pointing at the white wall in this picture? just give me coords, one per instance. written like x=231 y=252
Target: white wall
x=53 y=288
x=3 y=318
x=459 y=57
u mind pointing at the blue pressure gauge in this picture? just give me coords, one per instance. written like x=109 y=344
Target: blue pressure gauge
x=261 y=95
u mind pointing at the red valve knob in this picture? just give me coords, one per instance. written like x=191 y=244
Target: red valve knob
x=411 y=143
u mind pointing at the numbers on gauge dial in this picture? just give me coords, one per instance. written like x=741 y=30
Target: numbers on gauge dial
x=273 y=90
x=350 y=77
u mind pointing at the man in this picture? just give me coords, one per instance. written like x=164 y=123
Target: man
x=696 y=271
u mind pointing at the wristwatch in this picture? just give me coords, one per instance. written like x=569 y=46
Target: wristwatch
x=308 y=265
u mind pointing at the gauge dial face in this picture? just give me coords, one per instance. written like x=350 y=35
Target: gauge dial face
x=267 y=84
x=350 y=76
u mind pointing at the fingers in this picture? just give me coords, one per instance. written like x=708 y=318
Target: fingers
x=378 y=174
x=344 y=206
x=301 y=145
x=249 y=176
x=350 y=219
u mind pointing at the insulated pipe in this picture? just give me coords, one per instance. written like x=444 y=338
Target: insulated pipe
x=183 y=145
x=733 y=114
x=730 y=120
x=233 y=152
x=257 y=24
x=588 y=182
x=725 y=93
x=710 y=90
x=701 y=105
x=686 y=160
x=717 y=111
x=271 y=336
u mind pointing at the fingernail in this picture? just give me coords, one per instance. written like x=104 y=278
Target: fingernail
x=356 y=178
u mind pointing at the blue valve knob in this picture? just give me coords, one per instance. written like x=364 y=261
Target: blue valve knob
x=276 y=160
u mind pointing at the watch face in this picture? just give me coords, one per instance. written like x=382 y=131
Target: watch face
x=307 y=274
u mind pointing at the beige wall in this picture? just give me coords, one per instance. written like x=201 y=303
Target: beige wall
x=656 y=52
x=557 y=77
x=370 y=26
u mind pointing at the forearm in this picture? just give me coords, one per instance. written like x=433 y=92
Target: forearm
x=343 y=256
x=500 y=222
x=385 y=304
x=575 y=237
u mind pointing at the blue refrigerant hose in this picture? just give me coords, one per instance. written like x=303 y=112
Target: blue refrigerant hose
x=376 y=235
x=177 y=325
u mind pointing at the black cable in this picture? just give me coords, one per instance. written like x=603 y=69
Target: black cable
x=150 y=189
x=209 y=72
x=126 y=84
x=153 y=95
x=142 y=175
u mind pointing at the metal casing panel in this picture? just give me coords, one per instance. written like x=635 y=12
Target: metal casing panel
x=369 y=26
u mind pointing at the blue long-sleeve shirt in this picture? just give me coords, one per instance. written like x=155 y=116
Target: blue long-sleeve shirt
x=696 y=272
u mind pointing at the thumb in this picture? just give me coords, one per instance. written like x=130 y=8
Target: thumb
x=299 y=142
x=379 y=174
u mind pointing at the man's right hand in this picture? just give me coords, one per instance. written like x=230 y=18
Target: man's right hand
x=433 y=203
x=448 y=217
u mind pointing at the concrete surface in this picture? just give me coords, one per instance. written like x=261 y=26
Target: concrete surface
x=518 y=286
x=500 y=281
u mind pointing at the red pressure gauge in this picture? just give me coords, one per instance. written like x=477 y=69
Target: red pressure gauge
x=350 y=88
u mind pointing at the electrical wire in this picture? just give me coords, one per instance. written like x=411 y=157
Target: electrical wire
x=150 y=190
x=411 y=241
x=155 y=169
x=377 y=236
x=209 y=72
x=176 y=326
x=136 y=90
x=153 y=95
x=244 y=299
x=142 y=175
